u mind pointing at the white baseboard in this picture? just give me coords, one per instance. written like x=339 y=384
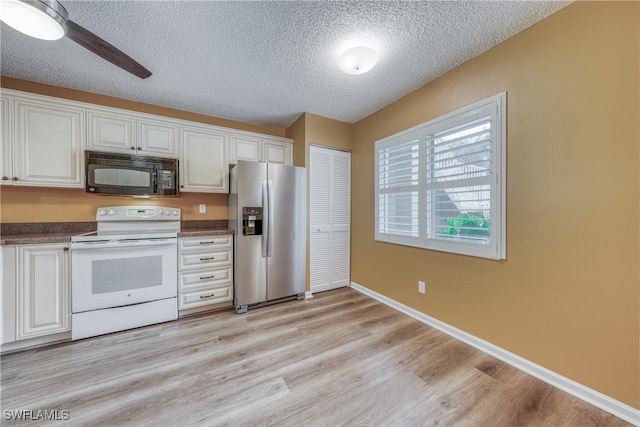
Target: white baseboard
x=589 y=395
x=308 y=295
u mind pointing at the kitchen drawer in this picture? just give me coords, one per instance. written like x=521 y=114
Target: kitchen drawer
x=210 y=259
x=204 y=242
x=202 y=297
x=205 y=278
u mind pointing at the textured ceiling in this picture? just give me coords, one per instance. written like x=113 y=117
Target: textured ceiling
x=267 y=62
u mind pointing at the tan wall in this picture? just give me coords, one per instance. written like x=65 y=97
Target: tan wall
x=36 y=204
x=297 y=132
x=313 y=129
x=328 y=132
x=567 y=297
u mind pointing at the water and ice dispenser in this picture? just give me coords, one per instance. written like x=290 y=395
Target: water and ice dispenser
x=251 y=221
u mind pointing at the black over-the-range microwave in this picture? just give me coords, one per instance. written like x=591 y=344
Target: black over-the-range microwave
x=126 y=175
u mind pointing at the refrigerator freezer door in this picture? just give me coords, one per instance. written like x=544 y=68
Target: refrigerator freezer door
x=287 y=244
x=250 y=263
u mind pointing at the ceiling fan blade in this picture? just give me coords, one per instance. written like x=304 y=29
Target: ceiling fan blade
x=95 y=44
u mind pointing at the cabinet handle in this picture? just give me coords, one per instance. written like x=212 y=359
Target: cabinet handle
x=15 y=178
x=207 y=296
x=207 y=243
x=5 y=178
x=207 y=258
x=133 y=148
x=66 y=249
x=138 y=148
x=207 y=277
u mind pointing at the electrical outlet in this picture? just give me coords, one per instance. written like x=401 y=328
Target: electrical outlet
x=203 y=208
x=421 y=287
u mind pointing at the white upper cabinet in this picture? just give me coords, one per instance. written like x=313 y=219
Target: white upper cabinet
x=158 y=137
x=274 y=151
x=244 y=147
x=5 y=141
x=111 y=132
x=43 y=141
x=247 y=146
x=47 y=144
x=203 y=165
x=118 y=131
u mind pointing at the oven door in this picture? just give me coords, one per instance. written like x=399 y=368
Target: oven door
x=116 y=273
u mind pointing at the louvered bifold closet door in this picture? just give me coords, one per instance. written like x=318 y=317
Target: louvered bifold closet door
x=319 y=217
x=330 y=200
x=340 y=217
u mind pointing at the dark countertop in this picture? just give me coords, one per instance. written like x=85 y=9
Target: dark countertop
x=42 y=232
x=33 y=238
x=204 y=232
x=214 y=227
x=61 y=232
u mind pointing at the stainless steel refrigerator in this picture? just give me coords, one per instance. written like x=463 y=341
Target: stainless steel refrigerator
x=267 y=211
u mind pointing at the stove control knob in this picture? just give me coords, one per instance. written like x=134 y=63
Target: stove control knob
x=111 y=212
x=167 y=212
x=102 y=212
x=175 y=212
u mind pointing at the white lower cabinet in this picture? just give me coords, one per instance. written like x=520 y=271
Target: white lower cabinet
x=36 y=291
x=205 y=272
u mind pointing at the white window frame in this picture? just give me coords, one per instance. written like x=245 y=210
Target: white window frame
x=495 y=107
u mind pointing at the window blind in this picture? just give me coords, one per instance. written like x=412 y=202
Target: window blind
x=441 y=185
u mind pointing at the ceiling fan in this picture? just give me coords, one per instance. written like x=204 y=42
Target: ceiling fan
x=48 y=20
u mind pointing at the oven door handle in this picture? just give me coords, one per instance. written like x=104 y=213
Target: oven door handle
x=127 y=243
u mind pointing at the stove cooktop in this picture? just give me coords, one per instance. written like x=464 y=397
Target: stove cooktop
x=94 y=236
x=133 y=223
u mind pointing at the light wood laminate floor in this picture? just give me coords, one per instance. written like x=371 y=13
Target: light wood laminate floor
x=340 y=358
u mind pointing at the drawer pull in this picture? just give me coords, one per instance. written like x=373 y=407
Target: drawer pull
x=207 y=296
x=207 y=277
x=208 y=243
x=207 y=258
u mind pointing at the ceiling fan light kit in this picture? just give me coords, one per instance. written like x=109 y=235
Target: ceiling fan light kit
x=42 y=19
x=48 y=20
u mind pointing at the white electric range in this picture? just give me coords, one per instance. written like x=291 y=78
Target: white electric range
x=124 y=275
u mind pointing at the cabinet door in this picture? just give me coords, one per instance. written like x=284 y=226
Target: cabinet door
x=157 y=138
x=276 y=152
x=5 y=142
x=243 y=147
x=203 y=163
x=42 y=290
x=111 y=132
x=48 y=144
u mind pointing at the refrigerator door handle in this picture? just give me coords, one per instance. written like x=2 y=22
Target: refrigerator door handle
x=266 y=216
x=270 y=217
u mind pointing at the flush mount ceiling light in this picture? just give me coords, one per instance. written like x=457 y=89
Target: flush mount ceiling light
x=43 y=19
x=357 y=60
x=48 y=20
